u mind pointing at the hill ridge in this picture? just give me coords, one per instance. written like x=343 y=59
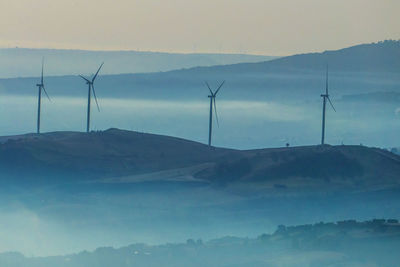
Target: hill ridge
x=365 y=51
x=125 y=156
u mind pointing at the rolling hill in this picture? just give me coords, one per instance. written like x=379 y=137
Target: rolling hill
x=118 y=156
x=119 y=187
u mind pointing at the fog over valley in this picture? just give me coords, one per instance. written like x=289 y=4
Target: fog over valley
x=243 y=124
x=147 y=185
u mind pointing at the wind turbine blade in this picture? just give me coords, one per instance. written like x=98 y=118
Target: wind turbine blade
x=95 y=97
x=45 y=92
x=42 y=69
x=216 y=92
x=215 y=110
x=330 y=102
x=84 y=78
x=94 y=77
x=209 y=88
x=326 y=86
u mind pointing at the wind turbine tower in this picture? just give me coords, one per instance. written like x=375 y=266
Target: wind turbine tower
x=91 y=89
x=325 y=98
x=212 y=97
x=41 y=88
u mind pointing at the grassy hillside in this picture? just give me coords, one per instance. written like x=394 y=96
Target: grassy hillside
x=128 y=157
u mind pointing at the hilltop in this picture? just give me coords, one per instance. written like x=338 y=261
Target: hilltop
x=119 y=156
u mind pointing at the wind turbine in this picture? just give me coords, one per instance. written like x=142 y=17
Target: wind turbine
x=41 y=88
x=91 y=89
x=212 y=101
x=325 y=97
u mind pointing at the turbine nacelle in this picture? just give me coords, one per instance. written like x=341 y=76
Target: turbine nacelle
x=212 y=97
x=91 y=89
x=325 y=98
x=41 y=89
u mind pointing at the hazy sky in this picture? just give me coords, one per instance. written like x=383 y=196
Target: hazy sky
x=271 y=27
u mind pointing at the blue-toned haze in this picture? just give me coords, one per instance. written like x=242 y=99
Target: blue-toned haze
x=154 y=180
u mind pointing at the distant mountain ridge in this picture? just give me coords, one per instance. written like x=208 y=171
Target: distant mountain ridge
x=25 y=62
x=359 y=69
x=382 y=56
